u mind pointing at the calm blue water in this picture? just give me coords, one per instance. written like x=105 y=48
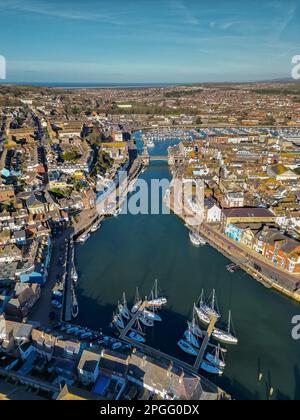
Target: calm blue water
x=132 y=251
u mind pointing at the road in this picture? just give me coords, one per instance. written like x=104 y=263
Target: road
x=43 y=307
x=290 y=280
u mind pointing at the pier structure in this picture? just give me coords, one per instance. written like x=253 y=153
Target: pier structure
x=157 y=353
x=135 y=317
x=205 y=343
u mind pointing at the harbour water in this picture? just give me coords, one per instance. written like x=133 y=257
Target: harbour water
x=131 y=251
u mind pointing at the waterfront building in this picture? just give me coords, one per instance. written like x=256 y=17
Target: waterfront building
x=213 y=211
x=234 y=232
x=247 y=215
x=280 y=249
x=88 y=367
x=34 y=267
x=234 y=199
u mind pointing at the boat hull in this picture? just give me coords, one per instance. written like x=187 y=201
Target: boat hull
x=187 y=348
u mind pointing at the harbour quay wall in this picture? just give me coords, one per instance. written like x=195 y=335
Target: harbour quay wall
x=284 y=283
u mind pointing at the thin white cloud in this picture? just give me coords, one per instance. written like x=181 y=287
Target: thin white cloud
x=188 y=16
x=60 y=11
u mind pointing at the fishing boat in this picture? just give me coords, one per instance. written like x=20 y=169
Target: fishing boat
x=146 y=321
x=214 y=370
x=155 y=300
x=190 y=338
x=201 y=315
x=137 y=303
x=196 y=239
x=118 y=321
x=225 y=337
x=152 y=316
x=215 y=359
x=210 y=310
x=86 y=335
x=187 y=348
x=123 y=309
x=137 y=337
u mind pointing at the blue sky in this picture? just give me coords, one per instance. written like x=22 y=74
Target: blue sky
x=148 y=40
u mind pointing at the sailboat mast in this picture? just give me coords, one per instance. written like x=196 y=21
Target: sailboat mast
x=213 y=299
x=229 y=322
x=201 y=297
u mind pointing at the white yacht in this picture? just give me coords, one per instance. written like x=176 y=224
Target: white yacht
x=210 y=310
x=225 y=337
x=155 y=300
x=196 y=239
x=202 y=315
x=84 y=238
x=95 y=227
x=137 y=303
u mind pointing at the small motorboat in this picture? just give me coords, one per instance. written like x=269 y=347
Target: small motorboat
x=187 y=348
x=137 y=337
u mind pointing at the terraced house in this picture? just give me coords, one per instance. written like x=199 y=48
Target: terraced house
x=280 y=249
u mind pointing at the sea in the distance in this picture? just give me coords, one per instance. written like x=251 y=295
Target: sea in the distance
x=62 y=85
x=130 y=251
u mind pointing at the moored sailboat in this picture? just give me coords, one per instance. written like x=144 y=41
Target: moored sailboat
x=137 y=337
x=152 y=316
x=190 y=338
x=226 y=337
x=123 y=309
x=187 y=348
x=137 y=303
x=216 y=358
x=214 y=370
x=146 y=321
x=155 y=300
x=210 y=310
